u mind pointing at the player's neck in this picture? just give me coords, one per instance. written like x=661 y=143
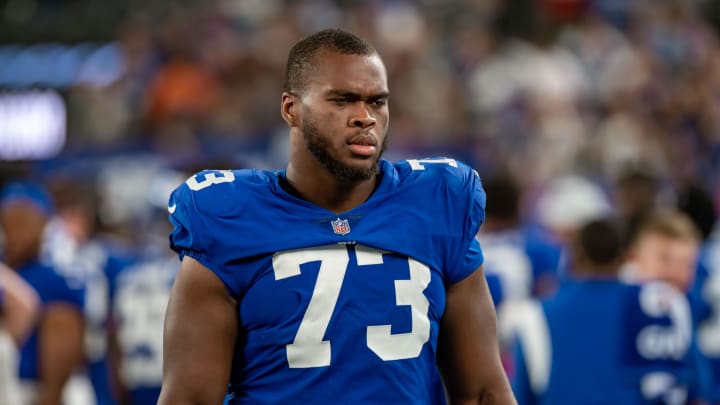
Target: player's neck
x=324 y=190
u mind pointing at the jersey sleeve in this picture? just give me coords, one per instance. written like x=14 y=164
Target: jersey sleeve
x=469 y=252
x=58 y=289
x=192 y=207
x=186 y=236
x=190 y=235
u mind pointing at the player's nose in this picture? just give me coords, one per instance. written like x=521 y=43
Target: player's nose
x=361 y=117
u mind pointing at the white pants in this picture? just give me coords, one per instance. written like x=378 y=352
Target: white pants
x=77 y=391
x=9 y=388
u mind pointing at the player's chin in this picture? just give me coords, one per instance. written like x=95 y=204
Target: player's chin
x=362 y=162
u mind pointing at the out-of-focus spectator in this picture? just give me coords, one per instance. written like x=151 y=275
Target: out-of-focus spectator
x=139 y=294
x=55 y=348
x=594 y=341
x=636 y=193
x=74 y=248
x=665 y=247
x=19 y=308
x=19 y=305
x=520 y=262
x=568 y=202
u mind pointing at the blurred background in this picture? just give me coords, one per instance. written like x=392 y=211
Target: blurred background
x=580 y=109
x=539 y=88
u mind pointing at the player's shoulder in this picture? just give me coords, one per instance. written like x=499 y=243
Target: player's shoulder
x=452 y=172
x=218 y=191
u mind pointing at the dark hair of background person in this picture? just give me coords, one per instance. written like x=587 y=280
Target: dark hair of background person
x=598 y=248
x=636 y=194
x=698 y=205
x=503 y=203
x=300 y=59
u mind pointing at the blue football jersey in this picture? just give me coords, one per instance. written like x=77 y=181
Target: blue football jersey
x=140 y=294
x=521 y=260
x=604 y=342
x=52 y=289
x=335 y=308
x=91 y=264
x=705 y=302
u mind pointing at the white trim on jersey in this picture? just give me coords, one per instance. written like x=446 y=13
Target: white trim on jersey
x=525 y=320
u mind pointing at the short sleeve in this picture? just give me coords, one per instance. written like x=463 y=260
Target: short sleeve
x=54 y=288
x=471 y=256
x=192 y=234
x=182 y=210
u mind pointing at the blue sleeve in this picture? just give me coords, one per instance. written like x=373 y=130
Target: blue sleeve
x=58 y=289
x=186 y=235
x=190 y=235
x=520 y=381
x=191 y=212
x=471 y=256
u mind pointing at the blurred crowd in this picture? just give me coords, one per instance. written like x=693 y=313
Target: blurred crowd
x=571 y=110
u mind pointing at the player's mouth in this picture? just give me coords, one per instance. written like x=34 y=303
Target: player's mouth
x=363 y=145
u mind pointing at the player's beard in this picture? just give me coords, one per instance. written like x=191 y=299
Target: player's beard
x=319 y=145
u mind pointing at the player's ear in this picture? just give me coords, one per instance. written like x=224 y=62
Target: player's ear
x=289 y=108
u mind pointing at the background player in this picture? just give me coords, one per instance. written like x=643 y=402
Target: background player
x=19 y=308
x=598 y=330
x=525 y=260
x=666 y=247
x=55 y=348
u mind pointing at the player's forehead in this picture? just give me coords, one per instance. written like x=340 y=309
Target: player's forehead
x=659 y=243
x=335 y=72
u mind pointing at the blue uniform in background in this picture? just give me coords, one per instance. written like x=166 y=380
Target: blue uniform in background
x=52 y=289
x=139 y=296
x=340 y=308
x=521 y=261
x=91 y=264
x=604 y=342
x=705 y=303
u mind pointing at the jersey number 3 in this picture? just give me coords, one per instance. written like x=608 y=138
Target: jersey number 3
x=309 y=349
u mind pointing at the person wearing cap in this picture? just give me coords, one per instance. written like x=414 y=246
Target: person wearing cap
x=55 y=347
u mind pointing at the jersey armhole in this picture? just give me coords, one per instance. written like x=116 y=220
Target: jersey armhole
x=215 y=269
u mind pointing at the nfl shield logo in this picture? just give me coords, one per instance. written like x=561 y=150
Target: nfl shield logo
x=340 y=226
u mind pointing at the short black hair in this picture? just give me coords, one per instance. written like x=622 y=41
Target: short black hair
x=698 y=205
x=503 y=200
x=599 y=244
x=300 y=59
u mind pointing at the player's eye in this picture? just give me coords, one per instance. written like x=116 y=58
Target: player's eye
x=381 y=102
x=340 y=100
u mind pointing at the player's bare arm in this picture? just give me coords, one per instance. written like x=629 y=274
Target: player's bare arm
x=200 y=332
x=62 y=350
x=21 y=304
x=468 y=353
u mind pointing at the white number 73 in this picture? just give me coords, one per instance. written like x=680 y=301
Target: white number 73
x=309 y=349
